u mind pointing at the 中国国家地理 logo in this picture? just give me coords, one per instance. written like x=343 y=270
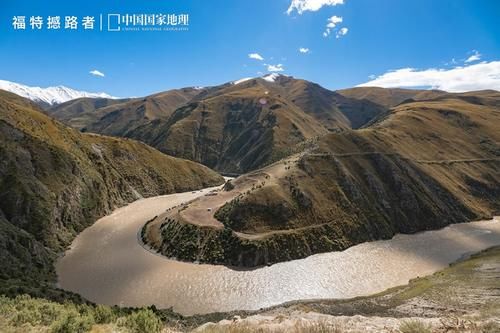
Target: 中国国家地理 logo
x=105 y=22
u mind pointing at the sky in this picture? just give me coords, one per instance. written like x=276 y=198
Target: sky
x=452 y=45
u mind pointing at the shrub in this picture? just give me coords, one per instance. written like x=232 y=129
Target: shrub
x=228 y=186
x=414 y=326
x=72 y=322
x=104 y=314
x=143 y=320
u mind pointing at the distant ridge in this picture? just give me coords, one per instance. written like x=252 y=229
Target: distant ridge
x=48 y=96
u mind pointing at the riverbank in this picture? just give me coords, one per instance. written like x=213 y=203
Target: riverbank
x=107 y=265
x=463 y=297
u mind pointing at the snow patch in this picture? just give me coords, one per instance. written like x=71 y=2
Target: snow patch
x=50 y=95
x=241 y=80
x=271 y=77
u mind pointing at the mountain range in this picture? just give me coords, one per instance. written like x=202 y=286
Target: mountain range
x=48 y=96
x=237 y=126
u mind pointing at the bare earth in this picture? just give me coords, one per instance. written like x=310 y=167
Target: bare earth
x=201 y=211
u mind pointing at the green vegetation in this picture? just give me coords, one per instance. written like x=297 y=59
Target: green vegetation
x=414 y=326
x=188 y=242
x=24 y=313
x=143 y=320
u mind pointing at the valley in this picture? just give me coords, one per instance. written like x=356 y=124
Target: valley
x=338 y=195
x=108 y=264
x=292 y=166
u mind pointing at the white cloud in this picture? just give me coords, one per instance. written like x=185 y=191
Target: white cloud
x=484 y=75
x=311 y=5
x=331 y=24
x=275 y=68
x=255 y=56
x=342 y=32
x=304 y=50
x=474 y=57
x=332 y=21
x=95 y=72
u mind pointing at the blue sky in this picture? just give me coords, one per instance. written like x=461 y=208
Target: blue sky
x=421 y=41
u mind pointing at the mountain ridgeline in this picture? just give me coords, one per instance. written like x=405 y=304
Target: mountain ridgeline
x=55 y=181
x=235 y=127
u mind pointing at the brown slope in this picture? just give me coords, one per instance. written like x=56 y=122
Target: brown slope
x=425 y=165
x=224 y=126
x=313 y=99
x=389 y=97
x=119 y=120
x=232 y=130
x=80 y=112
x=55 y=181
x=118 y=117
x=363 y=105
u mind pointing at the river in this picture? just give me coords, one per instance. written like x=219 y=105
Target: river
x=106 y=264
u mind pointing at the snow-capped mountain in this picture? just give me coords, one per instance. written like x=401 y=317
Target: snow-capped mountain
x=272 y=77
x=50 y=95
x=241 y=80
x=268 y=77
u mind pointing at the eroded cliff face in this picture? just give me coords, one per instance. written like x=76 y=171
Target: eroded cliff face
x=424 y=166
x=55 y=181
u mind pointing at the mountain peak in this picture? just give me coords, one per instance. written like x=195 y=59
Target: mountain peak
x=51 y=95
x=272 y=77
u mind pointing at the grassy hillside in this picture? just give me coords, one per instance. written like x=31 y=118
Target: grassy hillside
x=55 y=181
x=389 y=97
x=240 y=127
x=118 y=117
x=121 y=119
x=232 y=127
x=80 y=112
x=422 y=166
x=236 y=130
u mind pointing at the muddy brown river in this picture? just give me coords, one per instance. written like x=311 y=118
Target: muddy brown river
x=106 y=264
